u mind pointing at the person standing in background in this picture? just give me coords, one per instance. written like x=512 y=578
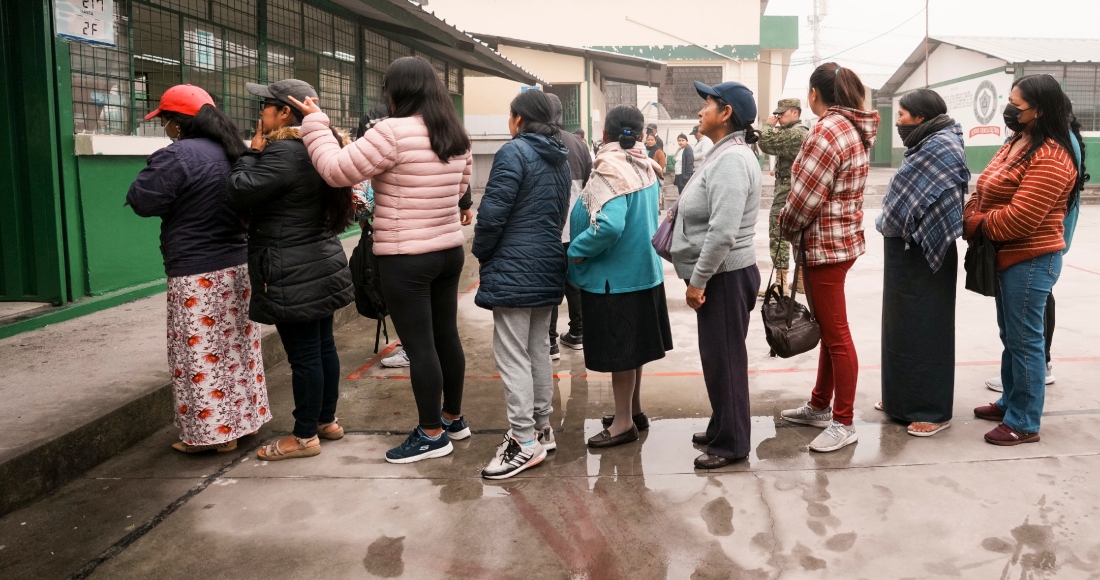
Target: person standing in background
x=657 y=153
x=701 y=147
x=685 y=163
x=782 y=136
x=651 y=129
x=580 y=166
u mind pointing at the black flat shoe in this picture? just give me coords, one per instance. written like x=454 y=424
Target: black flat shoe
x=700 y=439
x=706 y=461
x=640 y=421
x=605 y=439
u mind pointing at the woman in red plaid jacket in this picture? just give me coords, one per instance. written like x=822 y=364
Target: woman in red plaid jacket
x=824 y=215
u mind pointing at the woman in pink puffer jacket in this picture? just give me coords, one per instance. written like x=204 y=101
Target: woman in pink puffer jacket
x=418 y=161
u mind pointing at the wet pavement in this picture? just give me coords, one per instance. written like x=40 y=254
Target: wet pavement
x=891 y=506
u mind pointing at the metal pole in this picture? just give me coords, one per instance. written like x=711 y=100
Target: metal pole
x=926 y=63
x=817 y=35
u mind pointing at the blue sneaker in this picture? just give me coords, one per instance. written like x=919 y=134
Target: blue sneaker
x=457 y=430
x=419 y=446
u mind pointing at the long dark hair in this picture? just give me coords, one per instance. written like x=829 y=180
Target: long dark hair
x=624 y=124
x=1075 y=129
x=338 y=201
x=412 y=87
x=924 y=103
x=210 y=123
x=1044 y=94
x=537 y=112
x=838 y=86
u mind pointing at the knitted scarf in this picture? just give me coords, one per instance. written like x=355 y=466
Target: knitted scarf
x=928 y=127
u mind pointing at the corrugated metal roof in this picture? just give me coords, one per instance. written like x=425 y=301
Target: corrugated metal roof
x=1030 y=49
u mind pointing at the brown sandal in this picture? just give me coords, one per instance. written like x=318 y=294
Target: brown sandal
x=219 y=447
x=272 y=452
x=324 y=432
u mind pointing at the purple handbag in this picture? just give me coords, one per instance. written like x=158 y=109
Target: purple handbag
x=662 y=240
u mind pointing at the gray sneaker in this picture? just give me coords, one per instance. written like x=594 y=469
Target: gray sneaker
x=995 y=384
x=546 y=437
x=806 y=415
x=397 y=361
x=836 y=436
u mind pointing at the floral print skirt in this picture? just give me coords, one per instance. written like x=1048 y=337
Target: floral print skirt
x=214 y=356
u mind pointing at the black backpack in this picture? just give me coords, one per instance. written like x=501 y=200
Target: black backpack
x=368 y=290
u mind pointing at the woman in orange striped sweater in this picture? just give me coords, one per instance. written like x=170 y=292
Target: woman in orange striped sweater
x=1020 y=202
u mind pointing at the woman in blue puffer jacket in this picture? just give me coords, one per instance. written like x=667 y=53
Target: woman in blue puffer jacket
x=517 y=239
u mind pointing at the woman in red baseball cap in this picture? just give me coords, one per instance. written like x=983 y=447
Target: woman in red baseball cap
x=213 y=349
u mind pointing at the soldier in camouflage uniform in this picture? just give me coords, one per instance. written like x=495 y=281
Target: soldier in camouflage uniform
x=782 y=136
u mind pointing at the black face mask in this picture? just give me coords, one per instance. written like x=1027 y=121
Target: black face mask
x=1012 y=118
x=906 y=130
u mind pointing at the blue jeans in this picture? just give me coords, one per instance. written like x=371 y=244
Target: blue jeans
x=1022 y=293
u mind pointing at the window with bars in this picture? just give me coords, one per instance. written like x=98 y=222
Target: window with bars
x=677 y=94
x=570 y=97
x=1081 y=82
x=215 y=44
x=616 y=94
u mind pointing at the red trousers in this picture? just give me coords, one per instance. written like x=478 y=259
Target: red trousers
x=837 y=366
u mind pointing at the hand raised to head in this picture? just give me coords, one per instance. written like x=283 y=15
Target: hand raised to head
x=307 y=107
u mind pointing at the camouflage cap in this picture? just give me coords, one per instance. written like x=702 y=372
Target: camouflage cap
x=785 y=104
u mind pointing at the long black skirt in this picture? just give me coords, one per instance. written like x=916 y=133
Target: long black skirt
x=918 y=334
x=625 y=331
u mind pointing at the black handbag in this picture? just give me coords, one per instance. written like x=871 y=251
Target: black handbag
x=368 y=291
x=790 y=328
x=980 y=263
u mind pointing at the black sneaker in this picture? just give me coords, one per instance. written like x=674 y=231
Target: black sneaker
x=569 y=340
x=418 y=446
x=458 y=429
x=555 y=354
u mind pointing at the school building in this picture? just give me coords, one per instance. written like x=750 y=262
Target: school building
x=73 y=135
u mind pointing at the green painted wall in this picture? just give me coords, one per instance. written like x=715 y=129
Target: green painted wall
x=123 y=249
x=1092 y=158
x=884 y=139
x=779 y=32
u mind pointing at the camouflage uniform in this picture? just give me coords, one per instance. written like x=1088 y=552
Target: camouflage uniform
x=784 y=143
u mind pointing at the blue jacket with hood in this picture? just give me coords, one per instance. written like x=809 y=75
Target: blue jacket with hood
x=517 y=238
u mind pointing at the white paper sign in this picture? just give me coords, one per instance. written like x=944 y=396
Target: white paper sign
x=85 y=20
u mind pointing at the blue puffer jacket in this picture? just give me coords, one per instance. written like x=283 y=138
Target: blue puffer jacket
x=517 y=238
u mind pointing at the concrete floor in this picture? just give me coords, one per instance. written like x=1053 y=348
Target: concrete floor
x=891 y=506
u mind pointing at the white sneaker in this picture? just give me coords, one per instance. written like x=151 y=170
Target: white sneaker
x=835 y=436
x=512 y=458
x=546 y=437
x=397 y=361
x=995 y=384
x=806 y=415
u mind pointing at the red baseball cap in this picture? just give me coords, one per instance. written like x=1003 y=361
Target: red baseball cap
x=182 y=99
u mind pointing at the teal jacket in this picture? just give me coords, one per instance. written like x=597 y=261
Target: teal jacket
x=618 y=255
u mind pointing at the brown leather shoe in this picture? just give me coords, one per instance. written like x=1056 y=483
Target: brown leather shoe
x=640 y=421
x=700 y=438
x=707 y=461
x=605 y=439
x=1007 y=436
x=990 y=412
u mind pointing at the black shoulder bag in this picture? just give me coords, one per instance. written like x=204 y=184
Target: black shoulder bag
x=980 y=263
x=790 y=328
x=368 y=290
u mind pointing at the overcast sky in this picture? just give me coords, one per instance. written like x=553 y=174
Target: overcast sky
x=851 y=22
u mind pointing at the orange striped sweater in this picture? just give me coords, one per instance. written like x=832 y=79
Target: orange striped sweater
x=1024 y=205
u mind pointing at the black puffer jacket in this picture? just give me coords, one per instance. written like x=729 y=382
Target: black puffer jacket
x=299 y=271
x=517 y=237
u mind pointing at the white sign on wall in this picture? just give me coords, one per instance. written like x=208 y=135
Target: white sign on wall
x=85 y=20
x=978 y=105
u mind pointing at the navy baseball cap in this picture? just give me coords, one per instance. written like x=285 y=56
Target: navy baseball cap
x=733 y=93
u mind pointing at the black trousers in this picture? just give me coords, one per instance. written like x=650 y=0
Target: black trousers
x=576 y=319
x=723 y=325
x=1048 y=324
x=315 y=372
x=421 y=293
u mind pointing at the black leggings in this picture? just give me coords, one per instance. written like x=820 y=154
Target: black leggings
x=421 y=293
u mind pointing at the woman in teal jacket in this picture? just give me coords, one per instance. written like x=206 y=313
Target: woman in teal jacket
x=619 y=274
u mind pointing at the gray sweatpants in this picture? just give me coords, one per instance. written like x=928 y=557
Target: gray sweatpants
x=521 y=346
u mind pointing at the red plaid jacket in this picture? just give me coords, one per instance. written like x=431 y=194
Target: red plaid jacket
x=827 y=179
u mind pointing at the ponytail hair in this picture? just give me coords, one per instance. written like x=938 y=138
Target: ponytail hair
x=624 y=124
x=838 y=86
x=537 y=112
x=213 y=124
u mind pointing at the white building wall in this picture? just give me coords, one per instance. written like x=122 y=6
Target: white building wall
x=949 y=62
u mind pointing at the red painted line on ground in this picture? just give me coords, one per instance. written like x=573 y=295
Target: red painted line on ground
x=1082 y=269
x=358 y=375
x=359 y=371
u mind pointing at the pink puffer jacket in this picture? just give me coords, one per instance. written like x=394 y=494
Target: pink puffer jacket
x=415 y=194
